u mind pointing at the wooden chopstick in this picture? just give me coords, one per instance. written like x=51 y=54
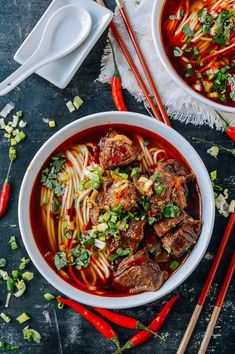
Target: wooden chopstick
x=207 y=285
x=135 y=71
x=145 y=67
x=218 y=306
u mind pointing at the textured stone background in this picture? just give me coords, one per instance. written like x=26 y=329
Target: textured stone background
x=65 y=331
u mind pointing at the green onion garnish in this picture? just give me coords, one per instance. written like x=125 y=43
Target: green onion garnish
x=23 y=318
x=5 y=318
x=3 y=262
x=12 y=241
x=49 y=297
x=174 y=265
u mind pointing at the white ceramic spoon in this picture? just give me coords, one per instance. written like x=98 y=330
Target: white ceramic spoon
x=66 y=29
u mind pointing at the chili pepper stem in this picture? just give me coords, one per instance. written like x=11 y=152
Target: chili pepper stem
x=126 y=346
x=116 y=341
x=116 y=71
x=155 y=334
x=9 y=170
x=225 y=123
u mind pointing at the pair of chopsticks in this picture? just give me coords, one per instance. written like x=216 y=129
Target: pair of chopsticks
x=205 y=291
x=162 y=116
x=159 y=110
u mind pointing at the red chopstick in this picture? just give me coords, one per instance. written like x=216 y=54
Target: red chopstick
x=218 y=307
x=147 y=72
x=206 y=288
x=134 y=69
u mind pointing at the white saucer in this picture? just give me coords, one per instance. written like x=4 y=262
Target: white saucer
x=62 y=70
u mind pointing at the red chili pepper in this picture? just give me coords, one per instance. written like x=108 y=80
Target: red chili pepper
x=101 y=325
x=6 y=188
x=123 y=321
x=117 y=86
x=88 y=226
x=155 y=325
x=4 y=198
x=231 y=133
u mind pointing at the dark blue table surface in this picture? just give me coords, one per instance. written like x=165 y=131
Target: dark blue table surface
x=65 y=331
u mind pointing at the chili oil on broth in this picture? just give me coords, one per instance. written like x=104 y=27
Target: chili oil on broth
x=199 y=39
x=40 y=231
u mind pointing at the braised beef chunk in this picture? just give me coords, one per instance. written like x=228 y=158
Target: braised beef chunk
x=173 y=168
x=163 y=226
x=138 y=273
x=122 y=193
x=170 y=183
x=117 y=150
x=133 y=236
x=181 y=239
x=117 y=192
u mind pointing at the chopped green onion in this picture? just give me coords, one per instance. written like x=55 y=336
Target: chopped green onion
x=159 y=189
x=3 y=262
x=15 y=132
x=20 y=136
x=7 y=136
x=15 y=274
x=20 y=285
x=31 y=335
x=5 y=318
x=15 y=121
x=8 y=129
x=23 y=263
x=178 y=52
x=60 y=306
x=213 y=175
x=10 y=285
x=213 y=151
x=174 y=265
x=146 y=142
x=13 y=142
x=77 y=102
x=23 y=318
x=22 y=124
x=49 y=297
x=52 y=124
x=135 y=171
x=3 y=275
x=19 y=114
x=70 y=106
x=5 y=347
x=13 y=242
x=27 y=276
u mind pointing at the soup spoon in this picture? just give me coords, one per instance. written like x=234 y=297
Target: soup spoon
x=66 y=29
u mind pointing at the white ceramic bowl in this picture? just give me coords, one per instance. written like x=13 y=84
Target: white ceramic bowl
x=157 y=38
x=183 y=147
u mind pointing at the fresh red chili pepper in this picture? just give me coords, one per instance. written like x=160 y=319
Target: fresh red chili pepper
x=101 y=325
x=4 y=198
x=6 y=188
x=231 y=133
x=155 y=325
x=123 y=321
x=117 y=86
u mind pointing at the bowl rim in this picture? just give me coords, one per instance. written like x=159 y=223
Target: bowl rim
x=157 y=38
x=105 y=118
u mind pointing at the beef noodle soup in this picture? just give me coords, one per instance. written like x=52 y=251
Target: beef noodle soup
x=116 y=210
x=199 y=38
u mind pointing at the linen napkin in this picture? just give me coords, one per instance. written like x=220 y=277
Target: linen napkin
x=180 y=105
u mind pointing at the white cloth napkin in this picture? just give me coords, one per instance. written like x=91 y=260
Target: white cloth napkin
x=179 y=104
